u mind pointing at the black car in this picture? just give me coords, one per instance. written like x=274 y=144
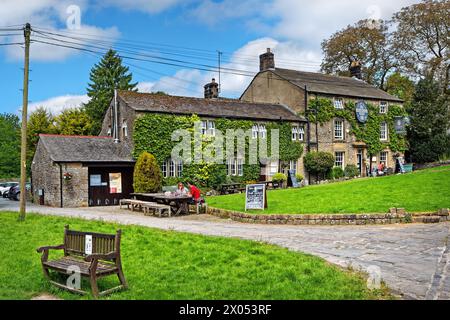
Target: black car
x=14 y=192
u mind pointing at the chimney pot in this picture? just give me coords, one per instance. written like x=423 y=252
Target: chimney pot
x=355 y=69
x=267 y=60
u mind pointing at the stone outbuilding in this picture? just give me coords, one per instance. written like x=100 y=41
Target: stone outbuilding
x=81 y=171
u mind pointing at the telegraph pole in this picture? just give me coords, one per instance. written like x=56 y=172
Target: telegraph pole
x=219 y=56
x=23 y=146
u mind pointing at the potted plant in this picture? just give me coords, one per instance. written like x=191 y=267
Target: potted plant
x=280 y=179
x=67 y=176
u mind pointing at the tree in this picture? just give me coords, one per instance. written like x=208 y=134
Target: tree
x=39 y=121
x=107 y=75
x=73 y=122
x=422 y=40
x=9 y=146
x=147 y=174
x=401 y=87
x=368 y=42
x=319 y=163
x=429 y=113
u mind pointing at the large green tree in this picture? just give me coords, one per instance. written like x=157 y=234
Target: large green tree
x=401 y=86
x=9 y=146
x=428 y=133
x=39 y=121
x=366 y=41
x=74 y=121
x=107 y=75
x=422 y=40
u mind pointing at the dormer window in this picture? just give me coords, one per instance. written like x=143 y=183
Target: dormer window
x=338 y=103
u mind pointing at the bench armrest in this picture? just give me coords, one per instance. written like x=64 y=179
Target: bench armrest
x=98 y=256
x=46 y=248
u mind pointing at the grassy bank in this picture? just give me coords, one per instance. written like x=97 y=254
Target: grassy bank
x=419 y=191
x=173 y=265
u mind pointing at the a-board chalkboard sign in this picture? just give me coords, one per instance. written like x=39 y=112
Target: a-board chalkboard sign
x=255 y=197
x=293 y=178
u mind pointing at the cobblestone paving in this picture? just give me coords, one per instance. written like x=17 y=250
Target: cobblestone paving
x=414 y=259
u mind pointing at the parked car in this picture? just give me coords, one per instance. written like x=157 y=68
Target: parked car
x=14 y=192
x=4 y=188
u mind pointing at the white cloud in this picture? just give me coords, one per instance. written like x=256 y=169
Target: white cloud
x=57 y=104
x=145 y=86
x=246 y=59
x=54 y=15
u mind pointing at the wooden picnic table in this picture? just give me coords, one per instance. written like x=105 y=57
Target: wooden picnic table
x=179 y=203
x=228 y=188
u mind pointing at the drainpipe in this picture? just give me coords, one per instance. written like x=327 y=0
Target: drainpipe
x=317 y=131
x=61 y=185
x=116 y=120
x=308 y=129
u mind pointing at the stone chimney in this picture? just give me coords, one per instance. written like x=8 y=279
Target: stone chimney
x=212 y=90
x=355 y=69
x=266 y=61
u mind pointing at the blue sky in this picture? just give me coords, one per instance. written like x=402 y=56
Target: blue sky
x=241 y=29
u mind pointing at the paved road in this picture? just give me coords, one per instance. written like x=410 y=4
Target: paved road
x=414 y=259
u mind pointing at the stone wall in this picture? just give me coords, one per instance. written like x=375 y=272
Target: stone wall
x=395 y=215
x=46 y=176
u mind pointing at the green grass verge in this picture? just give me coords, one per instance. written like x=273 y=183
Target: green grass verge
x=172 y=265
x=417 y=192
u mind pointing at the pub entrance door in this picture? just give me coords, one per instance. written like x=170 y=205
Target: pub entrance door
x=360 y=162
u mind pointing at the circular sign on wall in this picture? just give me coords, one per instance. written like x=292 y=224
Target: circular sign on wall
x=361 y=111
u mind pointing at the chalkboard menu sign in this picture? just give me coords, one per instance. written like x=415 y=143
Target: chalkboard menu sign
x=293 y=178
x=255 y=197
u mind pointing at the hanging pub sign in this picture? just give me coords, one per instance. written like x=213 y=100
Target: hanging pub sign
x=255 y=197
x=361 y=111
x=400 y=124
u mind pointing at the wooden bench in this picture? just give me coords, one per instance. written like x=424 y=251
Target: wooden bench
x=95 y=255
x=156 y=208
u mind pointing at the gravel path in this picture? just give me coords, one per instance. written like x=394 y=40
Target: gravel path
x=412 y=259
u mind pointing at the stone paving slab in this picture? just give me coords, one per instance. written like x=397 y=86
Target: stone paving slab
x=413 y=259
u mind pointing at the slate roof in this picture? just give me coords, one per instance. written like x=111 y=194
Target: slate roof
x=216 y=108
x=84 y=149
x=334 y=85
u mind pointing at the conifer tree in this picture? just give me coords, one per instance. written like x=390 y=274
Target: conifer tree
x=107 y=75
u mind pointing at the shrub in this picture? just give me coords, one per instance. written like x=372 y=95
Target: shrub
x=147 y=174
x=351 y=171
x=337 y=172
x=279 y=177
x=319 y=162
x=299 y=177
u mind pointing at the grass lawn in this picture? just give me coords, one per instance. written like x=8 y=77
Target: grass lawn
x=173 y=265
x=417 y=192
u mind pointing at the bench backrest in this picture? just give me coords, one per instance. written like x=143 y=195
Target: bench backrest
x=81 y=243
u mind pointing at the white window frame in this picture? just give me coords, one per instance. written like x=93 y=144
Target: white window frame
x=240 y=167
x=294 y=133
x=341 y=129
x=204 y=127
x=339 y=159
x=384 y=158
x=384 y=107
x=338 y=103
x=384 y=131
x=271 y=166
x=255 y=131
x=124 y=128
x=262 y=131
x=211 y=128
x=301 y=133
x=164 y=169
x=172 y=172
x=179 y=168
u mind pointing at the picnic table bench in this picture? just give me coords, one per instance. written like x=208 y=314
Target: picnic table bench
x=146 y=206
x=231 y=188
x=95 y=255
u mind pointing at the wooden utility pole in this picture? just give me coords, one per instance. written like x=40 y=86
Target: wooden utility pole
x=23 y=146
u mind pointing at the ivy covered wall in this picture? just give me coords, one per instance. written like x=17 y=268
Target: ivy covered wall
x=152 y=133
x=368 y=132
